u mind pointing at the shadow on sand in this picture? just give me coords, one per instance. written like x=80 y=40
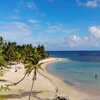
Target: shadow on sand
x=24 y=94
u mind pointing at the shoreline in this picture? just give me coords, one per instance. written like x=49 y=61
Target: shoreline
x=45 y=88
x=87 y=90
x=63 y=88
x=73 y=93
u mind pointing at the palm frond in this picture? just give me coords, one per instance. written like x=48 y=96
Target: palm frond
x=29 y=68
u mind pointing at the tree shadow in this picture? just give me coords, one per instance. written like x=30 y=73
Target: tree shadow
x=24 y=94
x=3 y=80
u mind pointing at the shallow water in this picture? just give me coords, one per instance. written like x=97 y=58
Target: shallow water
x=80 y=75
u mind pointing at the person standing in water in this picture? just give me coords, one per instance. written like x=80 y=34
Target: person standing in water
x=95 y=76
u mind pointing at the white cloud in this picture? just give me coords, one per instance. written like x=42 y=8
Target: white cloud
x=30 y=5
x=76 y=42
x=74 y=38
x=88 y=42
x=60 y=28
x=95 y=31
x=16 y=31
x=89 y=3
x=72 y=41
x=66 y=39
x=33 y=21
x=92 y=3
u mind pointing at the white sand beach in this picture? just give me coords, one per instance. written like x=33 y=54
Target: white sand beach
x=45 y=88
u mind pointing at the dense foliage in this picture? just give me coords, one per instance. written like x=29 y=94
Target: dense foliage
x=11 y=52
x=26 y=54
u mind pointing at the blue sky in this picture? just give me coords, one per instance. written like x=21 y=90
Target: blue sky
x=57 y=24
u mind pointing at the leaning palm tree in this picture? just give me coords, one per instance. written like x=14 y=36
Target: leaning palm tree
x=33 y=65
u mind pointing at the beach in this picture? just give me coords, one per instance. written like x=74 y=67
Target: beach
x=49 y=49
x=45 y=87
x=62 y=87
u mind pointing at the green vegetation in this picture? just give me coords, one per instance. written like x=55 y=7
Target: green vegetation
x=26 y=54
x=4 y=88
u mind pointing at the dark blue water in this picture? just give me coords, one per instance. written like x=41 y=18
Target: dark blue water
x=79 y=68
x=82 y=56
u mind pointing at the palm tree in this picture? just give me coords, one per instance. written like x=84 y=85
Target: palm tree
x=17 y=56
x=3 y=63
x=41 y=50
x=33 y=65
x=26 y=54
x=9 y=51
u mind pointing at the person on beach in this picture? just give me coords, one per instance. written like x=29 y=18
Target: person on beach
x=95 y=76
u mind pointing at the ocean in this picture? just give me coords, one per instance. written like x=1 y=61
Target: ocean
x=80 y=69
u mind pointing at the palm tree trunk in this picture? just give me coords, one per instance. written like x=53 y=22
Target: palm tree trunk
x=34 y=78
x=16 y=83
x=30 y=94
x=20 y=80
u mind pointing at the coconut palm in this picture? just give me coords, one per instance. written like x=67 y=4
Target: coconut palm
x=26 y=54
x=41 y=50
x=3 y=63
x=33 y=65
x=17 y=56
x=9 y=51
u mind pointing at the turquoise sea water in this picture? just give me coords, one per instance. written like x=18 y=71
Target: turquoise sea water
x=79 y=73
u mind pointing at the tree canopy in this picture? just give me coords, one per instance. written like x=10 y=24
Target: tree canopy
x=12 y=52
